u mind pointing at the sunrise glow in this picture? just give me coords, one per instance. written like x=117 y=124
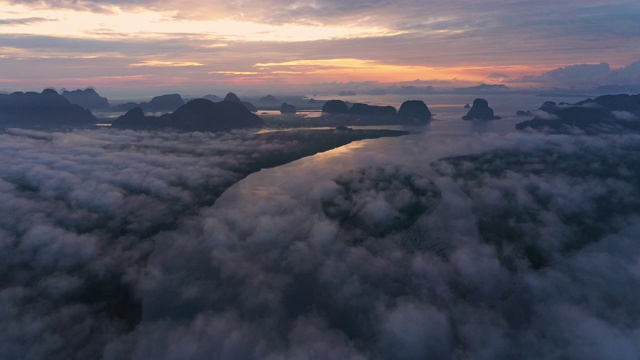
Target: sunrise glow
x=82 y=43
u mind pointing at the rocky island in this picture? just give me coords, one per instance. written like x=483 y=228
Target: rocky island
x=47 y=108
x=414 y=111
x=196 y=115
x=88 y=99
x=480 y=111
x=604 y=114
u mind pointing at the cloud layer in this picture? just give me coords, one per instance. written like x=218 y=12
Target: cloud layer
x=589 y=76
x=107 y=250
x=80 y=210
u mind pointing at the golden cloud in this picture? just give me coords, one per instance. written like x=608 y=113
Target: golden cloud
x=157 y=63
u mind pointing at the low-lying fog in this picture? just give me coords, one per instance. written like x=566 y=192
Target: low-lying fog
x=393 y=248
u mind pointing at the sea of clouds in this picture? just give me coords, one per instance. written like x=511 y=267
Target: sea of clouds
x=110 y=248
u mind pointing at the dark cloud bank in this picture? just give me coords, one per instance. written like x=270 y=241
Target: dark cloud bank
x=109 y=250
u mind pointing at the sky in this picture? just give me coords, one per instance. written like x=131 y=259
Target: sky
x=288 y=45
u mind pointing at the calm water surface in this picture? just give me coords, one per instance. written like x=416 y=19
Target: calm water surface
x=446 y=135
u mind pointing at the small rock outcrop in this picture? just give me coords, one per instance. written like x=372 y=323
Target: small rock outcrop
x=88 y=99
x=480 y=111
x=467 y=106
x=287 y=109
x=42 y=109
x=414 y=111
x=335 y=107
x=372 y=110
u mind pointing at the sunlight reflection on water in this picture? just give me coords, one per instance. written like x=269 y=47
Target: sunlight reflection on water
x=427 y=143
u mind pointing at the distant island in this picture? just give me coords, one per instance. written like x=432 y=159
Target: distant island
x=47 y=108
x=482 y=89
x=603 y=114
x=88 y=99
x=169 y=102
x=480 y=111
x=338 y=112
x=269 y=99
x=196 y=115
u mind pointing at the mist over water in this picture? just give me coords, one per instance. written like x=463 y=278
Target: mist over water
x=434 y=290
x=464 y=240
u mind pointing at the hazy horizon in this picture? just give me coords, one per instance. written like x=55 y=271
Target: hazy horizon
x=393 y=94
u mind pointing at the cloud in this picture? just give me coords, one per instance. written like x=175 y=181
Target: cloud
x=83 y=5
x=535 y=187
x=24 y=21
x=157 y=63
x=540 y=114
x=589 y=76
x=499 y=77
x=580 y=74
x=83 y=207
x=401 y=197
x=450 y=28
x=624 y=115
x=416 y=331
x=111 y=247
x=246 y=257
x=467 y=41
x=627 y=75
x=414 y=13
